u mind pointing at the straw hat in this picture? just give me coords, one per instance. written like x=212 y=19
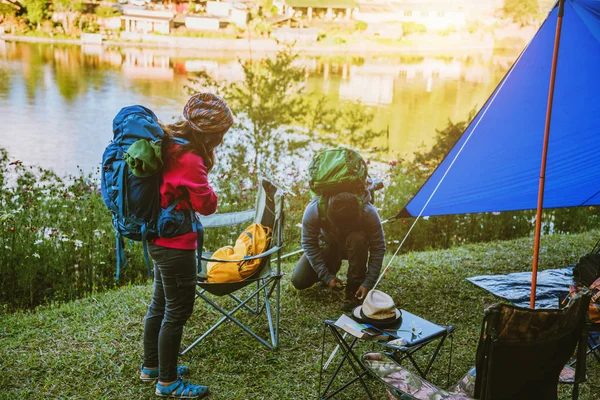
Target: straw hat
x=378 y=309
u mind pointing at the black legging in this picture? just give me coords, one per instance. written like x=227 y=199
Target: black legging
x=171 y=307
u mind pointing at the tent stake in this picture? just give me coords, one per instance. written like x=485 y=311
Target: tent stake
x=538 y=218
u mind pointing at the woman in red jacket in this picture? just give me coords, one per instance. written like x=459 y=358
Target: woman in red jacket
x=207 y=119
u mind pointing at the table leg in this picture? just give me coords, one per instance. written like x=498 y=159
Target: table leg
x=409 y=355
x=347 y=350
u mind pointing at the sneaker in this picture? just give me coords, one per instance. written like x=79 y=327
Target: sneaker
x=150 y=375
x=181 y=390
x=349 y=305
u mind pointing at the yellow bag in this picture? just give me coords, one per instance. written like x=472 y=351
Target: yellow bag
x=254 y=240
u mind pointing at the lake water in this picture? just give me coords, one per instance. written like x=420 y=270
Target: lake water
x=57 y=102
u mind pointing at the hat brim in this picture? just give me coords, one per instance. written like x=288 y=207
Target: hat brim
x=359 y=316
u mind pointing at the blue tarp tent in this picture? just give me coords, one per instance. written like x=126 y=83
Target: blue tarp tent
x=495 y=166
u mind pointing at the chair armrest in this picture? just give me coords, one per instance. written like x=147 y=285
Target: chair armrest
x=272 y=250
x=226 y=219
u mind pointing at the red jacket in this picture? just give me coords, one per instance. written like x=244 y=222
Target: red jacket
x=186 y=174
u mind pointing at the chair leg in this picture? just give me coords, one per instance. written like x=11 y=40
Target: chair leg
x=270 y=318
x=277 y=308
x=257 y=298
x=229 y=316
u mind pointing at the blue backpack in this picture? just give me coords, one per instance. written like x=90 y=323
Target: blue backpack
x=134 y=200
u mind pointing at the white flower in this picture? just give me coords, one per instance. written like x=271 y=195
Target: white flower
x=46 y=233
x=102 y=262
x=7 y=247
x=78 y=243
x=99 y=232
x=64 y=238
x=38 y=241
x=36 y=255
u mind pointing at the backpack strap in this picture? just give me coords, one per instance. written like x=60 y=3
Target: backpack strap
x=322 y=208
x=199 y=229
x=120 y=249
x=120 y=187
x=120 y=244
x=145 y=246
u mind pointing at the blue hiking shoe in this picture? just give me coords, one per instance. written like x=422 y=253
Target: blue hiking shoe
x=150 y=375
x=181 y=390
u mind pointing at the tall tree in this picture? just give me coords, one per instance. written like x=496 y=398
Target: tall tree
x=68 y=11
x=35 y=10
x=523 y=12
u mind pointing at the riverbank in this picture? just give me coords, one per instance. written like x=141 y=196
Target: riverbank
x=440 y=45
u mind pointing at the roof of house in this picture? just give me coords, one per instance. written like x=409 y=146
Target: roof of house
x=323 y=3
x=401 y=5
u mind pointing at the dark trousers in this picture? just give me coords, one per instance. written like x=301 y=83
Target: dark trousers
x=355 y=249
x=171 y=307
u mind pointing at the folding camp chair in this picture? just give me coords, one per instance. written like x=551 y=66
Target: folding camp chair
x=521 y=355
x=265 y=297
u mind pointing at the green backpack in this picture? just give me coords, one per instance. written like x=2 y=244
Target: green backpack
x=336 y=171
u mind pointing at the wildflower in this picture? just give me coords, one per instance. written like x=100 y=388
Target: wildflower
x=7 y=247
x=77 y=243
x=102 y=262
x=36 y=255
x=393 y=163
x=38 y=241
x=496 y=213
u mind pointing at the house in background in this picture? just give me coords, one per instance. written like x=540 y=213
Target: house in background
x=228 y=12
x=136 y=20
x=433 y=14
x=326 y=9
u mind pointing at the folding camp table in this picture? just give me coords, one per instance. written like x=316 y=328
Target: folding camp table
x=416 y=331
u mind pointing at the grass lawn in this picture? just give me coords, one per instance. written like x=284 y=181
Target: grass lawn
x=92 y=348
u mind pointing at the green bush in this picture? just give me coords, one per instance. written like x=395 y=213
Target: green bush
x=409 y=28
x=56 y=238
x=7 y=10
x=106 y=12
x=361 y=26
x=339 y=40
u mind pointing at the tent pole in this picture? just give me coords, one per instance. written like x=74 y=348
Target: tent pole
x=538 y=218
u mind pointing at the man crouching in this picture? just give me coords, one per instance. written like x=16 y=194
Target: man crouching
x=351 y=231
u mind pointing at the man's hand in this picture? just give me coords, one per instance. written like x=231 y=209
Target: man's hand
x=361 y=293
x=336 y=284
